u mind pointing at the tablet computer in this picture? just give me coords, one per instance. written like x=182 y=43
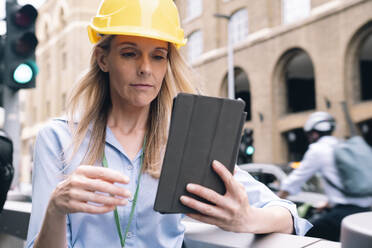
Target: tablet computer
x=202 y=129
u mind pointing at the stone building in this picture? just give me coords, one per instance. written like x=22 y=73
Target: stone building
x=291 y=57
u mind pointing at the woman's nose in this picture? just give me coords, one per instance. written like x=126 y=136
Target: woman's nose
x=144 y=67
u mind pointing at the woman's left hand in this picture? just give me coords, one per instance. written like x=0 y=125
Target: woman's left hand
x=231 y=212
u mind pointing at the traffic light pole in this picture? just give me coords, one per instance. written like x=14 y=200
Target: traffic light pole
x=12 y=126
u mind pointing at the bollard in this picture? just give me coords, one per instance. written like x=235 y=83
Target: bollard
x=356 y=231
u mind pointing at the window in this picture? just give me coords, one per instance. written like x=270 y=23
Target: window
x=194 y=8
x=294 y=10
x=365 y=69
x=64 y=101
x=47 y=70
x=63 y=56
x=34 y=115
x=239 y=25
x=48 y=109
x=195 y=45
x=62 y=17
x=64 y=60
x=46 y=30
x=300 y=83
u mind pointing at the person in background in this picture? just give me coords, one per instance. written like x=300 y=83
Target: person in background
x=6 y=161
x=319 y=158
x=96 y=171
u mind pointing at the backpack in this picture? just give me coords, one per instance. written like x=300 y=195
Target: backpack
x=6 y=167
x=353 y=159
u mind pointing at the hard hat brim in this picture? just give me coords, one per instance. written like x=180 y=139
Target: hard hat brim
x=95 y=33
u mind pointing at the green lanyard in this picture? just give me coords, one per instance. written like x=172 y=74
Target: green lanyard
x=116 y=214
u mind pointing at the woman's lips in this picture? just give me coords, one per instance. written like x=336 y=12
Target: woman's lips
x=141 y=86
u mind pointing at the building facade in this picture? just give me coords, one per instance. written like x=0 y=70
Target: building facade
x=291 y=57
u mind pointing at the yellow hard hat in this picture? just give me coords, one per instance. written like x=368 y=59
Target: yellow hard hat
x=157 y=19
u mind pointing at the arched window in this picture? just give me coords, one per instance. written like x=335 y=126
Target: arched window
x=239 y=25
x=294 y=10
x=242 y=89
x=46 y=30
x=365 y=67
x=195 y=45
x=43 y=28
x=194 y=8
x=299 y=82
x=358 y=60
x=62 y=20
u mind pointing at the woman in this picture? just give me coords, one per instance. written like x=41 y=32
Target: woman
x=118 y=119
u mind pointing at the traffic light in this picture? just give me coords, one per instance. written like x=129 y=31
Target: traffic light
x=246 y=148
x=20 y=68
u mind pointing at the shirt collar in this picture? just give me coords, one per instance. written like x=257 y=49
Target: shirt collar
x=110 y=138
x=113 y=142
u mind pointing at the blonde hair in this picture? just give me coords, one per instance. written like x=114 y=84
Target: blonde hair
x=91 y=101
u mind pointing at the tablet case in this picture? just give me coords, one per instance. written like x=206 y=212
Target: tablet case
x=202 y=129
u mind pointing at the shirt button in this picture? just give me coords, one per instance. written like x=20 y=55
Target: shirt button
x=130 y=167
x=129 y=235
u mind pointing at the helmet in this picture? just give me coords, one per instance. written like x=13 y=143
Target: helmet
x=157 y=19
x=321 y=122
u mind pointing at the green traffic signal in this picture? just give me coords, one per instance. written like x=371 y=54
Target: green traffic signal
x=249 y=150
x=23 y=74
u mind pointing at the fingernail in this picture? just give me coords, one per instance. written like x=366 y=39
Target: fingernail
x=216 y=163
x=183 y=199
x=190 y=186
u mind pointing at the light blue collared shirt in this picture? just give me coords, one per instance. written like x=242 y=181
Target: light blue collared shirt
x=148 y=228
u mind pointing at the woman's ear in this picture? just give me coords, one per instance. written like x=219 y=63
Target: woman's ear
x=101 y=57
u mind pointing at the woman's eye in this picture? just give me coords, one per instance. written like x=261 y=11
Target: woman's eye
x=128 y=54
x=159 y=57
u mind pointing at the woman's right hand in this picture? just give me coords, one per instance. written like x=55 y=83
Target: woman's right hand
x=90 y=189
